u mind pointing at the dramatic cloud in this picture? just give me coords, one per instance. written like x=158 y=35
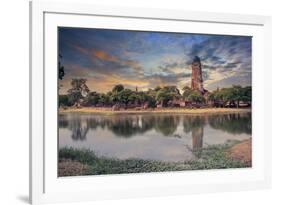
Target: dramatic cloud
x=148 y=59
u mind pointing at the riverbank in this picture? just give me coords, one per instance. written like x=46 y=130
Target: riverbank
x=74 y=162
x=157 y=110
x=242 y=152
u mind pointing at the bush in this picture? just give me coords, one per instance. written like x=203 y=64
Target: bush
x=64 y=100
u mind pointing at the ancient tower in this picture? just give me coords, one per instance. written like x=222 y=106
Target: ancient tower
x=196 y=77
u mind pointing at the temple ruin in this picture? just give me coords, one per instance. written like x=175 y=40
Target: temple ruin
x=196 y=76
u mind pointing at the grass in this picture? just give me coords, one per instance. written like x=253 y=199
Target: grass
x=212 y=157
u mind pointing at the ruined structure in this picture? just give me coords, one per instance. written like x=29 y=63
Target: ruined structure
x=196 y=77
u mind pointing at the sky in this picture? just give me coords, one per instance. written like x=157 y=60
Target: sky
x=145 y=60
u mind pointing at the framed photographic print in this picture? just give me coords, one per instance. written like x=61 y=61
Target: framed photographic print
x=128 y=102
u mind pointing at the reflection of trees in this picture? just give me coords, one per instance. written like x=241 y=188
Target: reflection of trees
x=79 y=129
x=166 y=125
x=93 y=123
x=191 y=122
x=130 y=125
x=120 y=125
x=63 y=121
x=127 y=126
x=232 y=123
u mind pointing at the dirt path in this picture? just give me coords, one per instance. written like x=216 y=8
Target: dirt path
x=71 y=168
x=242 y=152
x=157 y=110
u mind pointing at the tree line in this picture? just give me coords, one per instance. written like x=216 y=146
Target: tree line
x=168 y=96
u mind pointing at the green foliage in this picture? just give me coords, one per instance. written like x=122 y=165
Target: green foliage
x=117 y=88
x=164 y=96
x=134 y=97
x=232 y=96
x=150 y=100
x=78 y=90
x=93 y=98
x=167 y=93
x=186 y=92
x=211 y=157
x=157 y=88
x=214 y=157
x=104 y=99
x=60 y=69
x=80 y=93
x=124 y=95
x=64 y=100
x=247 y=94
x=196 y=96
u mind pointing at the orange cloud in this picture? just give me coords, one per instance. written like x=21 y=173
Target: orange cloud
x=102 y=55
x=93 y=53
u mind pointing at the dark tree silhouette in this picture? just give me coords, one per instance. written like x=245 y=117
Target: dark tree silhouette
x=60 y=69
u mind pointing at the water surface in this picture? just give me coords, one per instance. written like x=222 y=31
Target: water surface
x=163 y=137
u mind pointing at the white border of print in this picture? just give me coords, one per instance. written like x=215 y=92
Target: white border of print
x=46 y=187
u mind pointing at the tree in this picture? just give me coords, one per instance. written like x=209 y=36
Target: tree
x=123 y=96
x=134 y=98
x=104 y=99
x=228 y=96
x=117 y=88
x=195 y=96
x=64 y=100
x=238 y=94
x=167 y=93
x=216 y=97
x=151 y=98
x=173 y=90
x=78 y=90
x=186 y=91
x=151 y=93
x=247 y=94
x=232 y=96
x=92 y=98
x=163 y=96
x=141 y=97
x=157 y=88
x=60 y=69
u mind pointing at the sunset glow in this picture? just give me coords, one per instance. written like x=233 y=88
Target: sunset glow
x=148 y=59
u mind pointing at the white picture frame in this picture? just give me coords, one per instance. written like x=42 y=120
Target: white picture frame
x=46 y=187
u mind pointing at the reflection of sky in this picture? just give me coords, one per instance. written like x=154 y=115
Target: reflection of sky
x=149 y=145
x=148 y=59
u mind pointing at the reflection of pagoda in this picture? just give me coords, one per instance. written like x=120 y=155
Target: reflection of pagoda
x=197 y=138
x=196 y=77
x=197 y=141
